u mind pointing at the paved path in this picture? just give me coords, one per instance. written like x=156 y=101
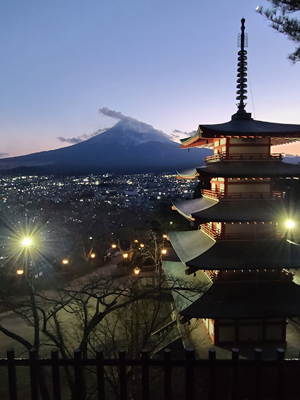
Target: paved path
x=18 y=325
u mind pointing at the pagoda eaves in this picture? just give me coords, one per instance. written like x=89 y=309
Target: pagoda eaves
x=243 y=128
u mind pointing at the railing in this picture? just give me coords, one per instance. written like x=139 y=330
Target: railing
x=188 y=378
x=214 y=233
x=252 y=236
x=243 y=156
x=216 y=194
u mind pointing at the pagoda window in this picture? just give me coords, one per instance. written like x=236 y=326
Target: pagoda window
x=216 y=143
x=222 y=141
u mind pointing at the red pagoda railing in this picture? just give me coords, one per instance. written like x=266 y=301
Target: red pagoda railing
x=216 y=194
x=216 y=234
x=252 y=236
x=243 y=156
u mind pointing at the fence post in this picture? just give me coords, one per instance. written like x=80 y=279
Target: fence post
x=34 y=383
x=189 y=355
x=212 y=374
x=258 y=358
x=280 y=374
x=78 y=375
x=123 y=377
x=55 y=374
x=167 y=375
x=11 y=370
x=145 y=375
x=235 y=373
x=100 y=375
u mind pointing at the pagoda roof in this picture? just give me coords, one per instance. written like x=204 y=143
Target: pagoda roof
x=233 y=300
x=232 y=211
x=200 y=252
x=243 y=126
x=189 y=207
x=249 y=169
x=187 y=173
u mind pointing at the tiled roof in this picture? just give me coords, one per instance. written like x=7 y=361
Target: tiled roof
x=232 y=300
x=199 y=252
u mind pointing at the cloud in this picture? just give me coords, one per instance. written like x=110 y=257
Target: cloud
x=81 y=138
x=177 y=134
x=104 y=111
x=3 y=155
x=113 y=114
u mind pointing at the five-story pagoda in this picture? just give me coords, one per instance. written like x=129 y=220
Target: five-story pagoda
x=236 y=248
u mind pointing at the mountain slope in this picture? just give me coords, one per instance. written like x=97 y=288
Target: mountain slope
x=128 y=147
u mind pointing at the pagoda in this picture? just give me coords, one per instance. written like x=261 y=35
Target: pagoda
x=236 y=248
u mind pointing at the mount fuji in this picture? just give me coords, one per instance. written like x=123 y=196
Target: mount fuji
x=128 y=147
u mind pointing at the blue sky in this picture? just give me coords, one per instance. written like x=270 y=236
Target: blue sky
x=169 y=63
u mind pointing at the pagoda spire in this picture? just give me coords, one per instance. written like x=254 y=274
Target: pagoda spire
x=242 y=69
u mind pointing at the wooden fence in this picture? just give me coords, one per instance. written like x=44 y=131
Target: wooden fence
x=276 y=374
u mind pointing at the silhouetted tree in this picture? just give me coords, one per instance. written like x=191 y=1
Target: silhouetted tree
x=281 y=15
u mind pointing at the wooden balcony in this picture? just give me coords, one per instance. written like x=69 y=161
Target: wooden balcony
x=217 y=194
x=213 y=233
x=243 y=156
x=216 y=234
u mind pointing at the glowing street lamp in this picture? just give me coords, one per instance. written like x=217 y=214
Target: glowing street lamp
x=137 y=271
x=65 y=261
x=290 y=224
x=125 y=256
x=20 y=272
x=142 y=245
x=136 y=241
x=164 y=252
x=93 y=255
x=26 y=242
x=113 y=246
x=165 y=236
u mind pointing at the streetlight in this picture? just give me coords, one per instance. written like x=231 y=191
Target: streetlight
x=26 y=242
x=142 y=245
x=125 y=256
x=137 y=271
x=290 y=224
x=164 y=252
x=93 y=255
x=165 y=236
x=65 y=261
x=20 y=272
x=113 y=246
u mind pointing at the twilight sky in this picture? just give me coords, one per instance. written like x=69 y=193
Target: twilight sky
x=169 y=63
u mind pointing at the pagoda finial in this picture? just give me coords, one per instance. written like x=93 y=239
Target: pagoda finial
x=242 y=69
